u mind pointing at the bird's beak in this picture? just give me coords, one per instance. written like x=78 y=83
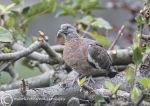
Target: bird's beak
x=60 y=33
x=60 y=37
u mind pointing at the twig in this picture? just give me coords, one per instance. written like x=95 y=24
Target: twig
x=48 y=49
x=88 y=88
x=43 y=58
x=24 y=87
x=140 y=99
x=52 y=54
x=17 y=55
x=12 y=73
x=56 y=58
x=141 y=33
x=4 y=65
x=118 y=36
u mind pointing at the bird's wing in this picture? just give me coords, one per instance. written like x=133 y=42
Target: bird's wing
x=98 y=57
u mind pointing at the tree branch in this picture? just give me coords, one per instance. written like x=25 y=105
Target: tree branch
x=42 y=80
x=44 y=58
x=121 y=56
x=17 y=55
x=118 y=36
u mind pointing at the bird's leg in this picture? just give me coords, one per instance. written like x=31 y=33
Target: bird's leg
x=76 y=79
x=70 y=80
x=90 y=79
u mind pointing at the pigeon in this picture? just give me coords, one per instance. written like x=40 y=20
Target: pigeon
x=84 y=55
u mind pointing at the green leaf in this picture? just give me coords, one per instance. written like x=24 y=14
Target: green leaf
x=9 y=23
x=40 y=8
x=6 y=9
x=82 y=81
x=68 y=10
x=140 y=20
x=109 y=85
x=145 y=82
x=5 y=35
x=10 y=6
x=85 y=5
x=99 y=100
x=100 y=38
x=129 y=73
x=16 y=1
x=5 y=50
x=89 y=4
x=101 y=23
x=137 y=55
x=82 y=6
x=2 y=8
x=116 y=88
x=135 y=93
x=87 y=20
x=148 y=3
x=136 y=40
x=77 y=4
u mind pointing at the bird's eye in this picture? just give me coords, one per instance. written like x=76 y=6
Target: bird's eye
x=67 y=27
x=64 y=27
x=90 y=45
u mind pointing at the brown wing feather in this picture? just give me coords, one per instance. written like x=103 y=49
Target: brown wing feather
x=98 y=56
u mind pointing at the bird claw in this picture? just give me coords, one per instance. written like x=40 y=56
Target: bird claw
x=90 y=79
x=72 y=82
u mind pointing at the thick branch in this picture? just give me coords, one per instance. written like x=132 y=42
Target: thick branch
x=57 y=95
x=121 y=56
x=52 y=96
x=42 y=80
x=65 y=90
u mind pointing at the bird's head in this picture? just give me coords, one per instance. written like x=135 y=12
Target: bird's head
x=66 y=32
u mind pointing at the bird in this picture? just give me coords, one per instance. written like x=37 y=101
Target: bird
x=83 y=55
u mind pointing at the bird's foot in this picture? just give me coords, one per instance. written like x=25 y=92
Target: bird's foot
x=89 y=80
x=74 y=81
x=71 y=82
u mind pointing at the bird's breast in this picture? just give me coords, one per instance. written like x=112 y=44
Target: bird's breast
x=75 y=53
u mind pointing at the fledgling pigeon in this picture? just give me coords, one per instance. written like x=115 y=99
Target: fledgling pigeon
x=82 y=54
